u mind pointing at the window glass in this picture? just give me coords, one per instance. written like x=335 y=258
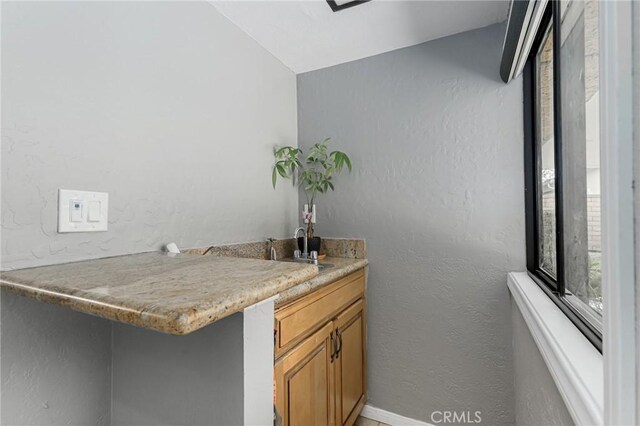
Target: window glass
x=545 y=165
x=579 y=97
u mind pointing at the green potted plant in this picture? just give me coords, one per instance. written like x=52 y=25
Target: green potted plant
x=314 y=175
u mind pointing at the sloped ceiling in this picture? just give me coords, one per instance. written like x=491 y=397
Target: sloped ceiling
x=307 y=35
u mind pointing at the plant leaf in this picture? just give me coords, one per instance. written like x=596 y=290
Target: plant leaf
x=281 y=170
x=347 y=161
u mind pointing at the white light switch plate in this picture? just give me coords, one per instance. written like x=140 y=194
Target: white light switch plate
x=82 y=211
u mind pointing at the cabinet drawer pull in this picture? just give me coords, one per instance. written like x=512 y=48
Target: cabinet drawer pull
x=333 y=347
x=338 y=343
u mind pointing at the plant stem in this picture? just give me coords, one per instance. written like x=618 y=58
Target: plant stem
x=310 y=224
x=309 y=230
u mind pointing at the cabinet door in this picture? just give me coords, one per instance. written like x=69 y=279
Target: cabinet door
x=350 y=363
x=305 y=382
x=297 y=320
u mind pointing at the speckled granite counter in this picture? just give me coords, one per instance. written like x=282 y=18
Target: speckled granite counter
x=341 y=267
x=174 y=295
x=347 y=255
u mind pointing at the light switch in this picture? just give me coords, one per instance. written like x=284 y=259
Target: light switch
x=82 y=211
x=75 y=210
x=94 y=214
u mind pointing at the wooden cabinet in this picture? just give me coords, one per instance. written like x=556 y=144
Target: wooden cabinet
x=305 y=381
x=350 y=362
x=301 y=317
x=320 y=346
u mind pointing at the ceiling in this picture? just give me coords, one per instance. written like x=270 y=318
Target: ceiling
x=306 y=35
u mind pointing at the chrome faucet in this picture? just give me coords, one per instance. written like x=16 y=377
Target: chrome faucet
x=305 y=254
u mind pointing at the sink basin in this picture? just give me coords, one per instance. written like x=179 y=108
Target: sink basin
x=323 y=266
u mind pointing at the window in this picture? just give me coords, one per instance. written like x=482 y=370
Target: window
x=581 y=153
x=545 y=148
x=563 y=162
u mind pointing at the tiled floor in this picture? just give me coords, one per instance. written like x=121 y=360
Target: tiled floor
x=363 y=421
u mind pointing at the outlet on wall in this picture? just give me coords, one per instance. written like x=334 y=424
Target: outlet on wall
x=82 y=211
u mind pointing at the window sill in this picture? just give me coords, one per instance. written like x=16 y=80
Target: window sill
x=574 y=363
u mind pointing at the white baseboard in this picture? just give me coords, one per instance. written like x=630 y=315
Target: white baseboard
x=390 y=418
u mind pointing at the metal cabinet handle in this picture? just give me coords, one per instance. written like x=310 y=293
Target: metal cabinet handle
x=333 y=347
x=339 y=343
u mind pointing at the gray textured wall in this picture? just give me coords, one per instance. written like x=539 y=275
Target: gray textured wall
x=437 y=191
x=538 y=401
x=636 y=134
x=169 y=108
x=196 y=379
x=55 y=365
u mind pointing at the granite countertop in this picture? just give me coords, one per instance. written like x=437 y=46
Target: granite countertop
x=342 y=266
x=175 y=295
x=347 y=255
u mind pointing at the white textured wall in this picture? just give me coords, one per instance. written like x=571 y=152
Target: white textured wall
x=437 y=190
x=169 y=108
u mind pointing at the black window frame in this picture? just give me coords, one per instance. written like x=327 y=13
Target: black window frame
x=553 y=287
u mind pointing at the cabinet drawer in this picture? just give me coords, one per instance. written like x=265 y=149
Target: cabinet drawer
x=301 y=317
